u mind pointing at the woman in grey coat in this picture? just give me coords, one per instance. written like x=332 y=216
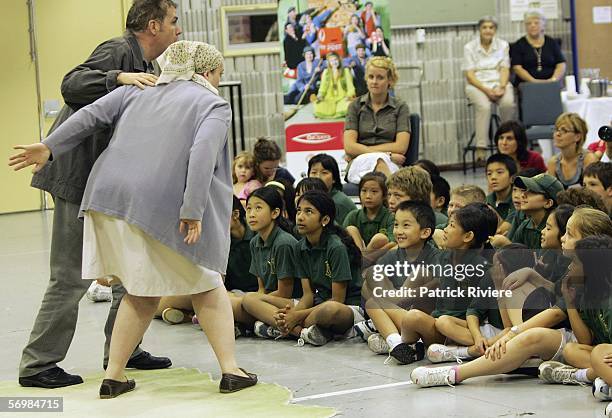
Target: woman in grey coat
x=163 y=183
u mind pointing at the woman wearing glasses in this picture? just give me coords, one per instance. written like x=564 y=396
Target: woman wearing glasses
x=569 y=136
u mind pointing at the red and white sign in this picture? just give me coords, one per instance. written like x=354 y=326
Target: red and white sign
x=303 y=141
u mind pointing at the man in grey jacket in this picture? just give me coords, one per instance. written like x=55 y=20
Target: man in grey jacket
x=151 y=26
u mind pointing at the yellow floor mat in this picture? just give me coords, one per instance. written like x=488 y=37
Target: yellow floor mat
x=174 y=393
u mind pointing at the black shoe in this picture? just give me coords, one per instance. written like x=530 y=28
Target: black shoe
x=112 y=388
x=53 y=378
x=146 y=361
x=233 y=383
x=406 y=353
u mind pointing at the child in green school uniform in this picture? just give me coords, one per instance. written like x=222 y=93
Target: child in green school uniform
x=328 y=262
x=464 y=238
x=271 y=259
x=326 y=168
x=539 y=198
x=500 y=171
x=413 y=226
x=371 y=227
x=459 y=197
x=485 y=318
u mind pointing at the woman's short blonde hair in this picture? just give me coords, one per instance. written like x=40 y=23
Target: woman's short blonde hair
x=531 y=14
x=577 y=124
x=384 y=63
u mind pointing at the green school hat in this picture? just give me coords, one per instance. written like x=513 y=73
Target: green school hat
x=543 y=183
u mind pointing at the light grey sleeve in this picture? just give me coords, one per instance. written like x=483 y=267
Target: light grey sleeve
x=101 y=114
x=209 y=142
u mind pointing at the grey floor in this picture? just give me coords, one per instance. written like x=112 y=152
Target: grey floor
x=307 y=371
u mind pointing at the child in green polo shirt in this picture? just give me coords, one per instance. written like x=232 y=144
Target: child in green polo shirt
x=485 y=317
x=271 y=262
x=371 y=227
x=498 y=240
x=464 y=238
x=328 y=261
x=413 y=226
x=460 y=197
x=325 y=167
x=539 y=198
x=500 y=171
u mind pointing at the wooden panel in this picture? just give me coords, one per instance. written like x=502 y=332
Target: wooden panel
x=593 y=39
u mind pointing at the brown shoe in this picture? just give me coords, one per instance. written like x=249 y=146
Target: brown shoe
x=233 y=383
x=112 y=388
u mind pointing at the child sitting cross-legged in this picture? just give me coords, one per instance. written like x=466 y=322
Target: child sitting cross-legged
x=328 y=262
x=464 y=238
x=485 y=318
x=413 y=226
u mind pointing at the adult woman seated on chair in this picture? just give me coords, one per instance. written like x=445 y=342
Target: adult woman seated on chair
x=569 y=136
x=377 y=126
x=537 y=58
x=486 y=63
x=511 y=139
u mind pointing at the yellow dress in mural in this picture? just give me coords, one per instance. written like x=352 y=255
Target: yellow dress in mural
x=336 y=92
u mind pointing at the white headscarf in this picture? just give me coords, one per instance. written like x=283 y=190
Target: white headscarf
x=186 y=60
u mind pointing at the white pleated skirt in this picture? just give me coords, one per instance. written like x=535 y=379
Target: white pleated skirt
x=125 y=254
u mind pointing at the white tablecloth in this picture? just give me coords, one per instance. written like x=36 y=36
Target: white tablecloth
x=596 y=111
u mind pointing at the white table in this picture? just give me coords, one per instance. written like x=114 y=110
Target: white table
x=596 y=111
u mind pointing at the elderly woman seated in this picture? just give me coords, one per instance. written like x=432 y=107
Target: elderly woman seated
x=537 y=58
x=377 y=127
x=486 y=64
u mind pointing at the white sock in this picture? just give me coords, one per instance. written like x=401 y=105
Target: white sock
x=581 y=376
x=394 y=340
x=462 y=352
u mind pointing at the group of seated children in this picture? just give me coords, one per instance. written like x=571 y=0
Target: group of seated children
x=511 y=280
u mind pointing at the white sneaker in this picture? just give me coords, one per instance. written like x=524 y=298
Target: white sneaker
x=378 y=344
x=556 y=372
x=265 y=331
x=601 y=390
x=314 y=335
x=440 y=353
x=608 y=411
x=99 y=293
x=433 y=376
x=364 y=329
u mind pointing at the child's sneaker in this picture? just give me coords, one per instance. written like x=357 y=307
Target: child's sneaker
x=439 y=353
x=608 y=411
x=364 y=329
x=601 y=390
x=406 y=353
x=433 y=376
x=99 y=293
x=173 y=316
x=266 y=331
x=556 y=372
x=314 y=335
x=378 y=344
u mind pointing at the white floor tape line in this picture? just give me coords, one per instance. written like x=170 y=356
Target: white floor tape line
x=349 y=391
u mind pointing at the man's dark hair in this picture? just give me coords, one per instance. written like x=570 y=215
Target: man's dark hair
x=143 y=11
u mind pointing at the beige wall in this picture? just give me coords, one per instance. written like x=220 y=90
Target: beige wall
x=67 y=31
x=18 y=111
